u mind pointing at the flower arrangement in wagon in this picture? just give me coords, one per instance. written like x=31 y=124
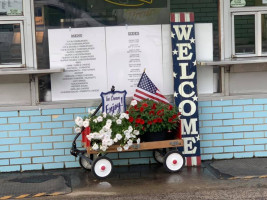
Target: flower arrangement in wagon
x=107 y=130
x=151 y=116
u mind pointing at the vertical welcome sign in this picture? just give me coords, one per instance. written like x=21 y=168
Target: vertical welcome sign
x=185 y=83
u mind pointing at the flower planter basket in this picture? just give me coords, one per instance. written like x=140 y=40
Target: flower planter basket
x=154 y=136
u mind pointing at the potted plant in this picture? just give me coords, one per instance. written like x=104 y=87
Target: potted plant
x=107 y=130
x=153 y=119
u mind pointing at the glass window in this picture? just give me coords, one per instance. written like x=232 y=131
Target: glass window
x=56 y=14
x=264 y=32
x=11 y=7
x=244 y=34
x=10 y=45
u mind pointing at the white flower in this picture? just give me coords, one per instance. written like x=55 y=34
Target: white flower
x=119 y=149
x=110 y=142
x=133 y=102
x=127 y=135
x=106 y=128
x=118 y=136
x=95 y=120
x=126 y=116
x=109 y=122
x=90 y=136
x=136 y=132
x=104 y=114
x=130 y=128
x=86 y=123
x=103 y=148
x=126 y=147
x=95 y=147
x=118 y=121
x=78 y=129
x=130 y=142
x=99 y=119
x=115 y=140
x=138 y=141
x=79 y=121
x=133 y=136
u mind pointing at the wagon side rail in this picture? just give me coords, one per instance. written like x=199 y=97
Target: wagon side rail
x=144 y=146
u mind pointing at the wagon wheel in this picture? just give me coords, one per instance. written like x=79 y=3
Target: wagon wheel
x=102 y=167
x=173 y=161
x=159 y=154
x=85 y=164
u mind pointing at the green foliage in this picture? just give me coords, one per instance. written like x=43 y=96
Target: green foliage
x=151 y=116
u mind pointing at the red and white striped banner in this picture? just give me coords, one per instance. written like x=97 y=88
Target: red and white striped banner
x=193 y=161
x=182 y=17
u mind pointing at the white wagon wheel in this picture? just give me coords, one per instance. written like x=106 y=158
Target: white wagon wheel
x=85 y=164
x=102 y=167
x=173 y=161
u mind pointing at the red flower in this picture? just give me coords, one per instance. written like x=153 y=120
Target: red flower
x=160 y=112
x=174 y=116
x=127 y=112
x=170 y=107
x=131 y=119
x=151 y=112
x=137 y=121
x=141 y=109
x=170 y=120
x=154 y=106
x=150 y=122
x=159 y=120
x=142 y=121
x=145 y=105
x=155 y=121
x=135 y=107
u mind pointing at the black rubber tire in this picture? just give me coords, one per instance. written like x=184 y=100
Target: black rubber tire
x=158 y=155
x=96 y=164
x=179 y=156
x=84 y=163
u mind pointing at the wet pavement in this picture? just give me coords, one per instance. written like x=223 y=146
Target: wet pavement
x=238 y=168
x=146 y=182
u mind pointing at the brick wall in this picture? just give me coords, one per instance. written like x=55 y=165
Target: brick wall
x=41 y=139
x=206 y=11
x=233 y=128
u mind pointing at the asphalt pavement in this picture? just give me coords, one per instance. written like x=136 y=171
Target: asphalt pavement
x=221 y=179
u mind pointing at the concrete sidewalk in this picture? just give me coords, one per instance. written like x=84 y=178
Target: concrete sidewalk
x=141 y=179
x=246 y=168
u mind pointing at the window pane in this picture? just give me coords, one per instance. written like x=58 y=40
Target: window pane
x=10 y=44
x=241 y=3
x=11 y=7
x=264 y=33
x=244 y=27
x=56 y=14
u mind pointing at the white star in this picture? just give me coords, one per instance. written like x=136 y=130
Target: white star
x=174 y=74
x=195 y=63
x=175 y=94
x=174 y=52
x=195 y=98
x=192 y=40
x=172 y=35
x=197 y=138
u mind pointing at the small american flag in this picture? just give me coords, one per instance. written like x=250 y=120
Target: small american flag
x=147 y=90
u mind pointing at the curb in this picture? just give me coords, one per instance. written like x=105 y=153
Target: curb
x=22 y=196
x=246 y=177
x=223 y=176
